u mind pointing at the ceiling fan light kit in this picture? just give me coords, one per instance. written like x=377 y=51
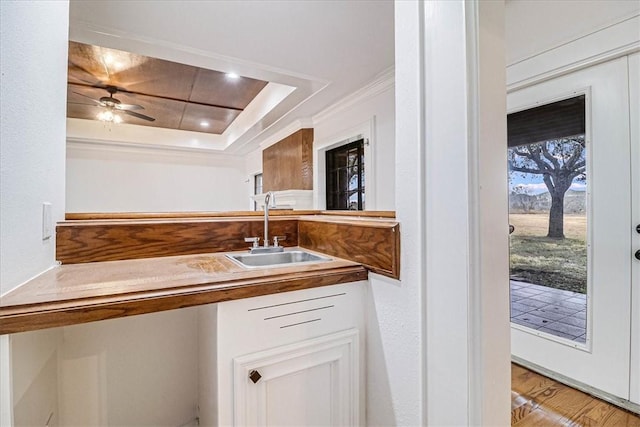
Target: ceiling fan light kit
x=174 y=96
x=109 y=116
x=113 y=106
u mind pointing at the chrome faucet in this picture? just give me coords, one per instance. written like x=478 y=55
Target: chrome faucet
x=269 y=202
x=268 y=199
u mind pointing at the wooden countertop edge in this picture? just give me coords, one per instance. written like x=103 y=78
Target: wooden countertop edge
x=367 y=222
x=188 y=220
x=119 y=216
x=64 y=313
x=87 y=216
x=339 y=219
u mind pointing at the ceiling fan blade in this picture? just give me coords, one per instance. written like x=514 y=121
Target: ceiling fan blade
x=138 y=115
x=82 y=103
x=126 y=107
x=94 y=100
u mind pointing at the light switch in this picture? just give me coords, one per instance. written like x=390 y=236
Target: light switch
x=47 y=221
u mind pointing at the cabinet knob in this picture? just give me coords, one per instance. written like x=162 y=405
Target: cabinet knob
x=638 y=254
x=254 y=376
x=638 y=228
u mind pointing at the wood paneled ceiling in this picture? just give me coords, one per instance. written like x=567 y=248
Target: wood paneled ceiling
x=178 y=96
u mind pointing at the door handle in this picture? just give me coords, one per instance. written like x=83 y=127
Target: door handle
x=254 y=376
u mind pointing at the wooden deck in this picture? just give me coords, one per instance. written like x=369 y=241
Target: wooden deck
x=540 y=401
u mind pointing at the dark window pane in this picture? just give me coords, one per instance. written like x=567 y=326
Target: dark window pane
x=345 y=177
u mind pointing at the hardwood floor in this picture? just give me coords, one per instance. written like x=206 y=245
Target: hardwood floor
x=540 y=401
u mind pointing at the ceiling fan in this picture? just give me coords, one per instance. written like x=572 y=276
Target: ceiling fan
x=113 y=105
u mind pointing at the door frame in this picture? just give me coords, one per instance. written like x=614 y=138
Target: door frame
x=634 y=128
x=608 y=79
x=617 y=39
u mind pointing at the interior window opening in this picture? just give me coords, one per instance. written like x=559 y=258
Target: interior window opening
x=345 y=186
x=257 y=188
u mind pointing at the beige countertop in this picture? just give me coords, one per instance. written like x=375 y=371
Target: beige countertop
x=78 y=293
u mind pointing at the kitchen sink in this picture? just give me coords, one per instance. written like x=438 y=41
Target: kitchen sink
x=276 y=259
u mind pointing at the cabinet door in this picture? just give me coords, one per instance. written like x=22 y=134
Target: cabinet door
x=310 y=383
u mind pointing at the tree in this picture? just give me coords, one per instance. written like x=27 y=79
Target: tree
x=521 y=198
x=559 y=161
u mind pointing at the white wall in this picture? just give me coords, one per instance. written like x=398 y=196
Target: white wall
x=111 y=178
x=34 y=365
x=140 y=370
x=534 y=26
x=133 y=371
x=451 y=201
x=33 y=46
x=370 y=112
x=33 y=92
x=253 y=162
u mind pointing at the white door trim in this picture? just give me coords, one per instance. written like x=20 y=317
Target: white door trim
x=634 y=135
x=604 y=44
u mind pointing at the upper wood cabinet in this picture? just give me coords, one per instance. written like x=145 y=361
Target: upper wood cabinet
x=288 y=164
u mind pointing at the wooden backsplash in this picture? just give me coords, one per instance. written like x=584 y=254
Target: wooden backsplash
x=376 y=245
x=110 y=241
x=372 y=243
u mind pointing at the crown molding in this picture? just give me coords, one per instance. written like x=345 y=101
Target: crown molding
x=101 y=145
x=384 y=81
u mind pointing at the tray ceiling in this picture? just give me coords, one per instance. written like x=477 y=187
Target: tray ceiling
x=309 y=52
x=178 y=96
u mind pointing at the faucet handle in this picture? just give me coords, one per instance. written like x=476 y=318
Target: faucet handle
x=277 y=239
x=253 y=240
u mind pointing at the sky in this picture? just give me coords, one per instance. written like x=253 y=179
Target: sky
x=534 y=185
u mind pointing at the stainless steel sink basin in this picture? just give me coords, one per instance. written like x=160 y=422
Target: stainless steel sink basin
x=276 y=259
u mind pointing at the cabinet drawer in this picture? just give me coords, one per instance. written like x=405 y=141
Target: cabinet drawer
x=273 y=320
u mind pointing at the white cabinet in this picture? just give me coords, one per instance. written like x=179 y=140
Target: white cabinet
x=307 y=347
x=311 y=383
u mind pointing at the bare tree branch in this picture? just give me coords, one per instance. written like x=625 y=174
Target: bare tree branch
x=575 y=156
x=549 y=156
x=524 y=153
x=525 y=170
x=534 y=155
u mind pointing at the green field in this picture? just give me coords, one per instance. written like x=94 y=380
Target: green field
x=560 y=264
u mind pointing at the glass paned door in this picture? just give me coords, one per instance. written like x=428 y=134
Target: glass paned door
x=571 y=264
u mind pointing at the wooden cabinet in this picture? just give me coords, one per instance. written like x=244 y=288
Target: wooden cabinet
x=307 y=347
x=288 y=164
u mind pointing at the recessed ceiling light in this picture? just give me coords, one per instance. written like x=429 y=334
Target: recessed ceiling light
x=204 y=124
x=233 y=76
